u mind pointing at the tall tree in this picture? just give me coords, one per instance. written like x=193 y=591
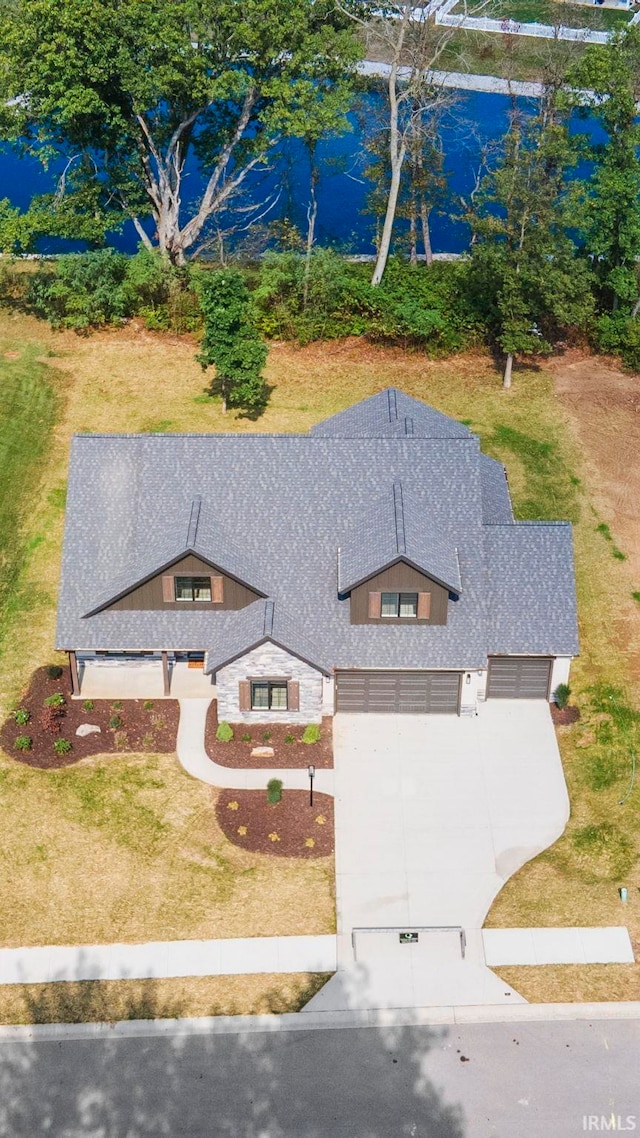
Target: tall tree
x=135 y=88
x=405 y=37
x=610 y=220
x=527 y=276
x=231 y=343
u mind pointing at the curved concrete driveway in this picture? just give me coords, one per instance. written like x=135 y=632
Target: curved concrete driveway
x=433 y=815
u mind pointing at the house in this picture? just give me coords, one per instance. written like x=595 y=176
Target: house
x=373 y=565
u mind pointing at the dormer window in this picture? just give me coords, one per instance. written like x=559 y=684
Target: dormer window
x=396 y=605
x=192 y=588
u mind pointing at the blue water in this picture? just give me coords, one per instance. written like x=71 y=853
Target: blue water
x=342 y=221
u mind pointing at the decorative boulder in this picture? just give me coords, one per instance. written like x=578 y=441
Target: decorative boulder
x=88 y=729
x=262 y=753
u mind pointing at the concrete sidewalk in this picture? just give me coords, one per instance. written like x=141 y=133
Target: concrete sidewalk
x=557 y=946
x=196 y=762
x=163 y=959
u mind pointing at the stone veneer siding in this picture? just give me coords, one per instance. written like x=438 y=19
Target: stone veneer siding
x=272 y=661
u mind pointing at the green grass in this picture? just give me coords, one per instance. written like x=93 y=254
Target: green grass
x=513 y=57
x=549 y=492
x=547 y=12
x=603 y=529
x=29 y=408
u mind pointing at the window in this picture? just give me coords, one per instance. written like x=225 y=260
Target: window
x=269 y=695
x=193 y=588
x=397 y=605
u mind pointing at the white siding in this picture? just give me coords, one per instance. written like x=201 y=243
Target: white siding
x=560 y=672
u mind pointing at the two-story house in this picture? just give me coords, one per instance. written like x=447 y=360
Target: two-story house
x=373 y=565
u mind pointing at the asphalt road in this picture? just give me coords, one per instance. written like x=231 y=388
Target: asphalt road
x=535 y=1080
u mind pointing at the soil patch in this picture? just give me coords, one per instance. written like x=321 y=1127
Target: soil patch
x=564 y=716
x=132 y=725
x=285 y=740
x=289 y=828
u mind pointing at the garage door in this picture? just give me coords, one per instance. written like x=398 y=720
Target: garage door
x=518 y=677
x=416 y=693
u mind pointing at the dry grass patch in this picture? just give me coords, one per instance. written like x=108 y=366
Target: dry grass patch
x=128 y=849
x=574 y=983
x=116 y=1000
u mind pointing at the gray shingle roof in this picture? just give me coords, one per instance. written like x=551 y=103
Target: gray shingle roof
x=274 y=511
x=394 y=528
x=391 y=414
x=531 y=592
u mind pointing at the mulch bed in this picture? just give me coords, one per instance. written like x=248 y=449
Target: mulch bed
x=143 y=729
x=237 y=753
x=291 y=828
x=564 y=716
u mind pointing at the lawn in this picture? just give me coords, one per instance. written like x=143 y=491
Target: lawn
x=546 y=12
x=157 y=854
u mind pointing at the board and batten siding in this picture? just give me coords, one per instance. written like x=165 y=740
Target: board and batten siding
x=269 y=661
x=151 y=594
x=399 y=578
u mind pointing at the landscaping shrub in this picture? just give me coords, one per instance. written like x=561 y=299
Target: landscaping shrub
x=148 y=741
x=609 y=852
x=54 y=671
x=23 y=743
x=289 y=738
x=561 y=695
x=55 y=700
x=224 y=733
x=21 y=716
x=116 y=705
x=148 y=705
x=120 y=740
x=246 y=738
x=88 y=705
x=115 y=722
x=311 y=733
x=61 y=746
x=619 y=334
x=50 y=719
x=274 y=791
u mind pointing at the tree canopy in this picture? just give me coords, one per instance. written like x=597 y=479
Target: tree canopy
x=131 y=90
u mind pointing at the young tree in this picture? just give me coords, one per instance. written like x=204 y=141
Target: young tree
x=135 y=88
x=405 y=36
x=231 y=343
x=525 y=270
x=610 y=220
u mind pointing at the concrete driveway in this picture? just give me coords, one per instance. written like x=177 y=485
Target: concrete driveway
x=433 y=814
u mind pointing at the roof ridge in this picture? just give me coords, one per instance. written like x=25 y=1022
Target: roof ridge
x=269 y=612
x=398 y=507
x=194 y=518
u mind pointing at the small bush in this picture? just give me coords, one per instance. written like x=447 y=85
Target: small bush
x=158 y=722
x=88 y=705
x=311 y=733
x=115 y=722
x=274 y=791
x=55 y=700
x=246 y=738
x=148 y=741
x=21 y=716
x=61 y=746
x=266 y=735
x=116 y=705
x=120 y=740
x=148 y=705
x=561 y=695
x=23 y=743
x=224 y=734
x=289 y=738
x=50 y=719
x=54 y=671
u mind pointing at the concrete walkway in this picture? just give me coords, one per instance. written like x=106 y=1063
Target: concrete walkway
x=195 y=760
x=490 y=84
x=557 y=946
x=161 y=959
x=433 y=815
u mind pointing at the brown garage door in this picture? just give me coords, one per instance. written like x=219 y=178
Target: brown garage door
x=518 y=677
x=417 y=693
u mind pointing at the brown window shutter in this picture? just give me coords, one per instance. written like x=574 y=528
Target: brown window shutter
x=424 y=606
x=293 y=695
x=375 y=605
x=217 y=590
x=168 y=589
x=244 y=695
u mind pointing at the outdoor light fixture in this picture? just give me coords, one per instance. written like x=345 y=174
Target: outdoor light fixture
x=624 y=895
x=312 y=774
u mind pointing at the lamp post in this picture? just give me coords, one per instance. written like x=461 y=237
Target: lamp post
x=312 y=775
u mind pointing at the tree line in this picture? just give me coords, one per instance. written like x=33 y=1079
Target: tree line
x=137 y=94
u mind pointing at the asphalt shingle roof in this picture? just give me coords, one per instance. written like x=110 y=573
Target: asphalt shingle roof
x=391 y=414
x=274 y=511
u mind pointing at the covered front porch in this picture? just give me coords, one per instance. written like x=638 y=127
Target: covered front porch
x=161 y=675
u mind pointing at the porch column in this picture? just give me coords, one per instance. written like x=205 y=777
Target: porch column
x=165 y=673
x=73 y=668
